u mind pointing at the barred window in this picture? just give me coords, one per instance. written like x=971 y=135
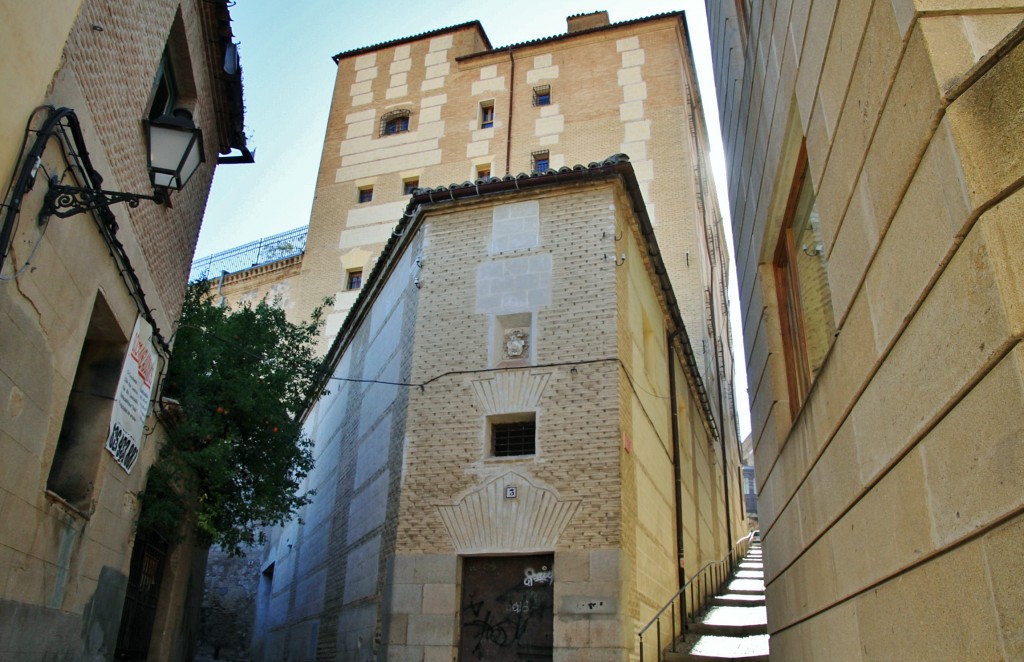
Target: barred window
x=513 y=435
x=394 y=121
x=542 y=95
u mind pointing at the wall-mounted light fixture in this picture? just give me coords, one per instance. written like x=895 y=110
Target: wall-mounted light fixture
x=175 y=150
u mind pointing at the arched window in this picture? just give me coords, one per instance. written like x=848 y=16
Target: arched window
x=394 y=121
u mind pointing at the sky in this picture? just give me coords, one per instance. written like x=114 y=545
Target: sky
x=288 y=78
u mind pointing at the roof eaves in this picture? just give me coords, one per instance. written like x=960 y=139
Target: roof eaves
x=416 y=37
x=573 y=35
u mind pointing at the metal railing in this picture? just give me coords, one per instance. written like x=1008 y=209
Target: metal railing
x=262 y=251
x=692 y=598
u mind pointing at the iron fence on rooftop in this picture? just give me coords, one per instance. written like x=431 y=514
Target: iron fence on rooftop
x=262 y=251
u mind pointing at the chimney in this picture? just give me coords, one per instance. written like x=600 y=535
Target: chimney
x=581 y=22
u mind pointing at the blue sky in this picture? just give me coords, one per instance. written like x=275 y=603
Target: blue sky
x=286 y=50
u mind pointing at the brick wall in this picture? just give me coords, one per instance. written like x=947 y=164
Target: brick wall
x=624 y=90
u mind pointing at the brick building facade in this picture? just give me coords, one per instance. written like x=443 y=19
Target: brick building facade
x=515 y=413
x=80 y=79
x=445 y=106
x=875 y=183
x=410 y=497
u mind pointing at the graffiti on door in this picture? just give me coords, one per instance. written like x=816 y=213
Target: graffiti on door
x=506 y=608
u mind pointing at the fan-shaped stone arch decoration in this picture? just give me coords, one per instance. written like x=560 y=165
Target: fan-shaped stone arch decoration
x=510 y=392
x=487 y=520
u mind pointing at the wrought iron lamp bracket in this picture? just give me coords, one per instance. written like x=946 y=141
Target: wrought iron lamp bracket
x=65 y=201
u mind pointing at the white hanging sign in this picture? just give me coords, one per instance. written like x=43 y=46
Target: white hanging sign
x=131 y=401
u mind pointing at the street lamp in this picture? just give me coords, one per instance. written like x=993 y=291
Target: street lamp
x=175 y=152
x=175 y=149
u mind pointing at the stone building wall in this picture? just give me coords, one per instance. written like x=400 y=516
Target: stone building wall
x=408 y=487
x=323 y=580
x=889 y=491
x=273 y=282
x=67 y=316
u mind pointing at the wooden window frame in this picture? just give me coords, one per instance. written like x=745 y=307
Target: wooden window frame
x=487 y=114
x=787 y=290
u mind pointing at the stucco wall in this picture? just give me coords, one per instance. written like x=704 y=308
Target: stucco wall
x=329 y=573
x=63 y=569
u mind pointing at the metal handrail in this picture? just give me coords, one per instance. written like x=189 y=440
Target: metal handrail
x=703 y=584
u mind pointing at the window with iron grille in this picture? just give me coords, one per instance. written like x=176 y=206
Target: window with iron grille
x=514 y=437
x=355 y=279
x=365 y=194
x=410 y=185
x=394 y=121
x=541 y=161
x=542 y=95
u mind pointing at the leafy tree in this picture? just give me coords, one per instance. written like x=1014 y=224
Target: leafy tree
x=236 y=453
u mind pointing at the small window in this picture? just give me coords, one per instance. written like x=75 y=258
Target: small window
x=173 y=85
x=483 y=171
x=801 y=285
x=542 y=95
x=410 y=185
x=365 y=194
x=165 y=89
x=514 y=435
x=394 y=121
x=355 y=279
x=541 y=161
x=486 y=114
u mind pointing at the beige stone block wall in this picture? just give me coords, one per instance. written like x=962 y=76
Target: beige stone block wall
x=872 y=491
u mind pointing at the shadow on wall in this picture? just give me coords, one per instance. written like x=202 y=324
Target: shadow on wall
x=229 y=606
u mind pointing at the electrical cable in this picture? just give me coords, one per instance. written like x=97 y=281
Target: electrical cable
x=449 y=373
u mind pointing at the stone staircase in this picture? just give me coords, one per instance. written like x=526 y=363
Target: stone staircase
x=735 y=626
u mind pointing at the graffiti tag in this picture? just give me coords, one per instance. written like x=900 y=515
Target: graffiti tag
x=532 y=577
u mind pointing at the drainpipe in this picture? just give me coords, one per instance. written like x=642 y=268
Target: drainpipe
x=719 y=368
x=511 y=89
x=220 y=286
x=677 y=468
